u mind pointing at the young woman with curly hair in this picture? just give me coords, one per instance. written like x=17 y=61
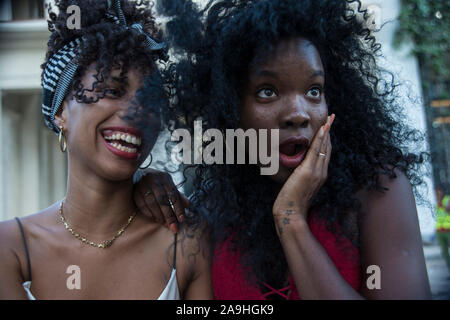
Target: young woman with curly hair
x=341 y=206
x=92 y=98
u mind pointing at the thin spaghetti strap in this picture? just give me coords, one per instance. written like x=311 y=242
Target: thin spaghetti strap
x=174 y=265
x=27 y=254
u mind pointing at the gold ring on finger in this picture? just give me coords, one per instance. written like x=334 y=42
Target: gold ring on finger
x=322 y=154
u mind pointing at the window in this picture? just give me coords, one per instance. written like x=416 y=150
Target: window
x=11 y=10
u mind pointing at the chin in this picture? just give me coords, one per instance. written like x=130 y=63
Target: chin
x=118 y=177
x=118 y=172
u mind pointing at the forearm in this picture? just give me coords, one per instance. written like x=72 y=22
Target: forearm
x=314 y=273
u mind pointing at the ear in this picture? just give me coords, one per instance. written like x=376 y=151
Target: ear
x=61 y=116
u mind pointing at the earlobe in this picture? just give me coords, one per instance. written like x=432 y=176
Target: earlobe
x=61 y=115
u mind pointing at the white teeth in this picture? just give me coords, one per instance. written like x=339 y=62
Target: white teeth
x=123 y=148
x=125 y=137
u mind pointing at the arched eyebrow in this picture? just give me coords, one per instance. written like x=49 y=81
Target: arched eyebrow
x=317 y=73
x=264 y=73
x=272 y=74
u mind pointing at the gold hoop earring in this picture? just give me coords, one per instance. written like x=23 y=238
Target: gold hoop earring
x=151 y=159
x=62 y=140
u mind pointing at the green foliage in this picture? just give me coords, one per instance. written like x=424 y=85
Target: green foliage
x=427 y=24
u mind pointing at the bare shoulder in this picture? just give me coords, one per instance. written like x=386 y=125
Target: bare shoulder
x=390 y=215
x=193 y=250
x=10 y=230
x=13 y=270
x=195 y=253
x=395 y=203
x=391 y=239
x=11 y=239
x=194 y=244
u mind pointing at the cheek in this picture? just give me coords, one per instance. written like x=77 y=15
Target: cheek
x=82 y=130
x=319 y=117
x=258 y=117
x=245 y=112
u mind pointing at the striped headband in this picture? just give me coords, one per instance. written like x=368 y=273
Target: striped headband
x=61 y=67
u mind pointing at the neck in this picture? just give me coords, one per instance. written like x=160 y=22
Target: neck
x=95 y=206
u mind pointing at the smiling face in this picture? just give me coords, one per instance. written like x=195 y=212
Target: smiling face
x=98 y=139
x=286 y=92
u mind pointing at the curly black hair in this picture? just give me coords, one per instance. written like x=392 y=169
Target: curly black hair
x=111 y=46
x=369 y=136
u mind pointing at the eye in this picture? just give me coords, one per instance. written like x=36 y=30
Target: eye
x=266 y=93
x=315 y=93
x=112 y=92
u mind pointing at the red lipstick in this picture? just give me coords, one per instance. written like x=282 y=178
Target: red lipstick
x=124 y=142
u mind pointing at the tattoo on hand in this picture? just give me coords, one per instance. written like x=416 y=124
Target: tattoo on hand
x=280 y=230
x=286 y=220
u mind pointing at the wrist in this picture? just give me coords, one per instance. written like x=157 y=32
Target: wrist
x=290 y=225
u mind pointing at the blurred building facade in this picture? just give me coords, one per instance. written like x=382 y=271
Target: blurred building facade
x=32 y=169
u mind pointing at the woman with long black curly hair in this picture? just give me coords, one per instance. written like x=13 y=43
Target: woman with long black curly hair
x=338 y=221
x=95 y=244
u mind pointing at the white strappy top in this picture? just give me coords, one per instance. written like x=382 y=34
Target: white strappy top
x=170 y=292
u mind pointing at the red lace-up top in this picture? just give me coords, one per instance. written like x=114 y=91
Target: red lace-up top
x=229 y=280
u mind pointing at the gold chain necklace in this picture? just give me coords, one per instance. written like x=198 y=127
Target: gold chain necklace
x=104 y=244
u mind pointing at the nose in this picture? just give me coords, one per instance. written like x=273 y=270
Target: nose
x=295 y=113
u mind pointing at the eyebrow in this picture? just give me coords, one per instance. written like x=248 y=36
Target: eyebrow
x=265 y=73
x=271 y=74
x=317 y=73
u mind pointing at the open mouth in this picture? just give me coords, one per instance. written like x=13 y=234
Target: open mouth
x=123 y=142
x=293 y=151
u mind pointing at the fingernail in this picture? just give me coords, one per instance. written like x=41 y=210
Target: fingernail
x=333 y=116
x=173 y=228
x=181 y=218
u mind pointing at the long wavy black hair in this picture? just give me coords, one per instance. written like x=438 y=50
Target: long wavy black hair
x=111 y=46
x=215 y=46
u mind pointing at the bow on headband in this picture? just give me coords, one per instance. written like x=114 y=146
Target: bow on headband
x=61 y=67
x=115 y=13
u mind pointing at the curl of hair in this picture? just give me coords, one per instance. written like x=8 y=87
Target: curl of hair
x=369 y=136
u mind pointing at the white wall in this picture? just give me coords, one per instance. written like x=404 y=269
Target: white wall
x=27 y=152
x=406 y=68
